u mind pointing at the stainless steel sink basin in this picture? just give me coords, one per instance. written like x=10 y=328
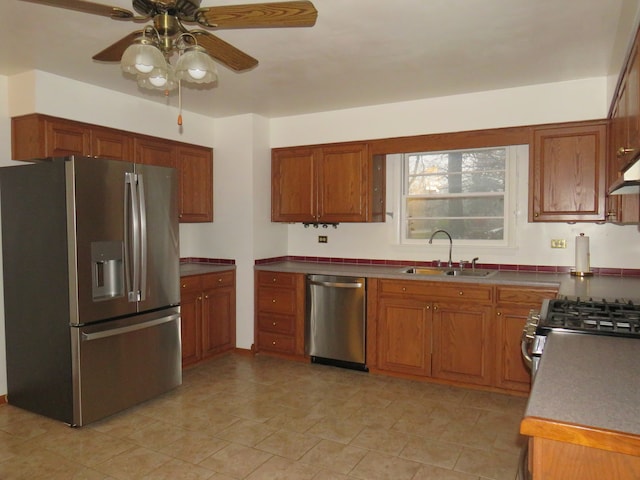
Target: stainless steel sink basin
x=450 y=272
x=425 y=271
x=471 y=273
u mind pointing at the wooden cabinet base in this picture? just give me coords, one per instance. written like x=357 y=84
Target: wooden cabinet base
x=554 y=460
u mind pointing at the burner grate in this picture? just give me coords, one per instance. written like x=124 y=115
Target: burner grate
x=594 y=316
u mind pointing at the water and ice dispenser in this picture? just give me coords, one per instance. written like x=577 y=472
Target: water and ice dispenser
x=107 y=269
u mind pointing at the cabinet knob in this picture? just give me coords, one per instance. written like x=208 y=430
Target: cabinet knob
x=460 y=293
x=273 y=279
x=220 y=280
x=275 y=323
x=435 y=307
x=499 y=314
x=184 y=285
x=206 y=296
x=273 y=343
x=622 y=151
x=428 y=307
x=273 y=300
x=404 y=289
x=536 y=215
x=199 y=298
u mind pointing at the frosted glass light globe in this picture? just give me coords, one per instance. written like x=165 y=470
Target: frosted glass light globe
x=197 y=73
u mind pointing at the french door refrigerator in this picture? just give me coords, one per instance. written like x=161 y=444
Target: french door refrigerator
x=91 y=285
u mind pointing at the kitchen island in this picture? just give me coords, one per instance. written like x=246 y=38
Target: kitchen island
x=582 y=414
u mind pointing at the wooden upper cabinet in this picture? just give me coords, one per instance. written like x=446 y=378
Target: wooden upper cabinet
x=195 y=167
x=40 y=136
x=293 y=185
x=624 y=140
x=567 y=173
x=154 y=151
x=113 y=144
x=327 y=183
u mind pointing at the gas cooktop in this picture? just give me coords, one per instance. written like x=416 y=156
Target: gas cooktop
x=617 y=317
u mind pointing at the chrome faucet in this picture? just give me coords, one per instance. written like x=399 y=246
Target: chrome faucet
x=450 y=264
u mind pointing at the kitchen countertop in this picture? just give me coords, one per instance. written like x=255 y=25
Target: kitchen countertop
x=627 y=288
x=586 y=392
x=187 y=269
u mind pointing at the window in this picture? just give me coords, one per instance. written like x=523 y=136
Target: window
x=465 y=192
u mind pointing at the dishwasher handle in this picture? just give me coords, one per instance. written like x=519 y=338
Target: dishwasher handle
x=337 y=284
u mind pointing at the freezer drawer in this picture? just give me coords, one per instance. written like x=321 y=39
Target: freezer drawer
x=335 y=325
x=125 y=362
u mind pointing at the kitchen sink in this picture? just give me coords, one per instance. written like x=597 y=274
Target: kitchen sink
x=425 y=271
x=471 y=273
x=450 y=272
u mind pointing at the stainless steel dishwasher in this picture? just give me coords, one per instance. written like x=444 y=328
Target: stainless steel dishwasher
x=335 y=326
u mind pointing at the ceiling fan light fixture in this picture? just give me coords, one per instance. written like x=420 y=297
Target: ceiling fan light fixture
x=159 y=79
x=195 y=65
x=142 y=57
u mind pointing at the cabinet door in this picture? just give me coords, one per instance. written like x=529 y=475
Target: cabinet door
x=113 y=144
x=343 y=183
x=151 y=151
x=64 y=138
x=293 y=187
x=404 y=336
x=567 y=173
x=190 y=326
x=195 y=168
x=462 y=343
x=218 y=313
x=511 y=371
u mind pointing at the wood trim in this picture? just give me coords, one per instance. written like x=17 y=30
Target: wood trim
x=581 y=435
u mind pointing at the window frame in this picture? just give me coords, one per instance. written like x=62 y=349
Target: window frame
x=510 y=198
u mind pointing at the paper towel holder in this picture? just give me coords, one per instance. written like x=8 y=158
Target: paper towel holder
x=588 y=272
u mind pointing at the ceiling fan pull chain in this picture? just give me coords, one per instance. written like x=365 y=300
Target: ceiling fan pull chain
x=180 y=102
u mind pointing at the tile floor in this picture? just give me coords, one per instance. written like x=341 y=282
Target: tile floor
x=238 y=417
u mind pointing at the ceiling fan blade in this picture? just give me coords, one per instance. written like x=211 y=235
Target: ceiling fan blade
x=275 y=14
x=88 y=7
x=114 y=52
x=224 y=52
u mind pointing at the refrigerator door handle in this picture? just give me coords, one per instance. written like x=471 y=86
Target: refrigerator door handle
x=132 y=238
x=86 y=337
x=142 y=239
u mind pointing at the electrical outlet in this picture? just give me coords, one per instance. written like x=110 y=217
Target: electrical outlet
x=558 y=243
x=322 y=239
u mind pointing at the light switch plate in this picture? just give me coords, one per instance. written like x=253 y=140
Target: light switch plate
x=558 y=243
x=322 y=239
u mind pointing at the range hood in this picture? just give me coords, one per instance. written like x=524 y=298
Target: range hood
x=629 y=183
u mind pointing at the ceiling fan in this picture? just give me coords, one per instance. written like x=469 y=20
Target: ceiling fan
x=169 y=35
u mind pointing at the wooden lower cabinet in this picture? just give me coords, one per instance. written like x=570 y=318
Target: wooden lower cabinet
x=279 y=321
x=463 y=342
x=463 y=333
x=208 y=315
x=404 y=336
x=513 y=306
x=555 y=460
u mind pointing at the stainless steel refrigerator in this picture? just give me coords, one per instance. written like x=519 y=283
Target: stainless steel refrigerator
x=91 y=285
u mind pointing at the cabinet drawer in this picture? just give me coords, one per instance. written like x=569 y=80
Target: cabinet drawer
x=277 y=279
x=405 y=287
x=192 y=283
x=434 y=290
x=221 y=279
x=276 y=323
x=275 y=342
x=277 y=300
x=462 y=291
x=526 y=295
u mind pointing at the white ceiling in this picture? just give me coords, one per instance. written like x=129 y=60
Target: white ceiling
x=360 y=52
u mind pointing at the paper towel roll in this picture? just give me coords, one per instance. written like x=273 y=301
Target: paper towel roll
x=582 y=254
